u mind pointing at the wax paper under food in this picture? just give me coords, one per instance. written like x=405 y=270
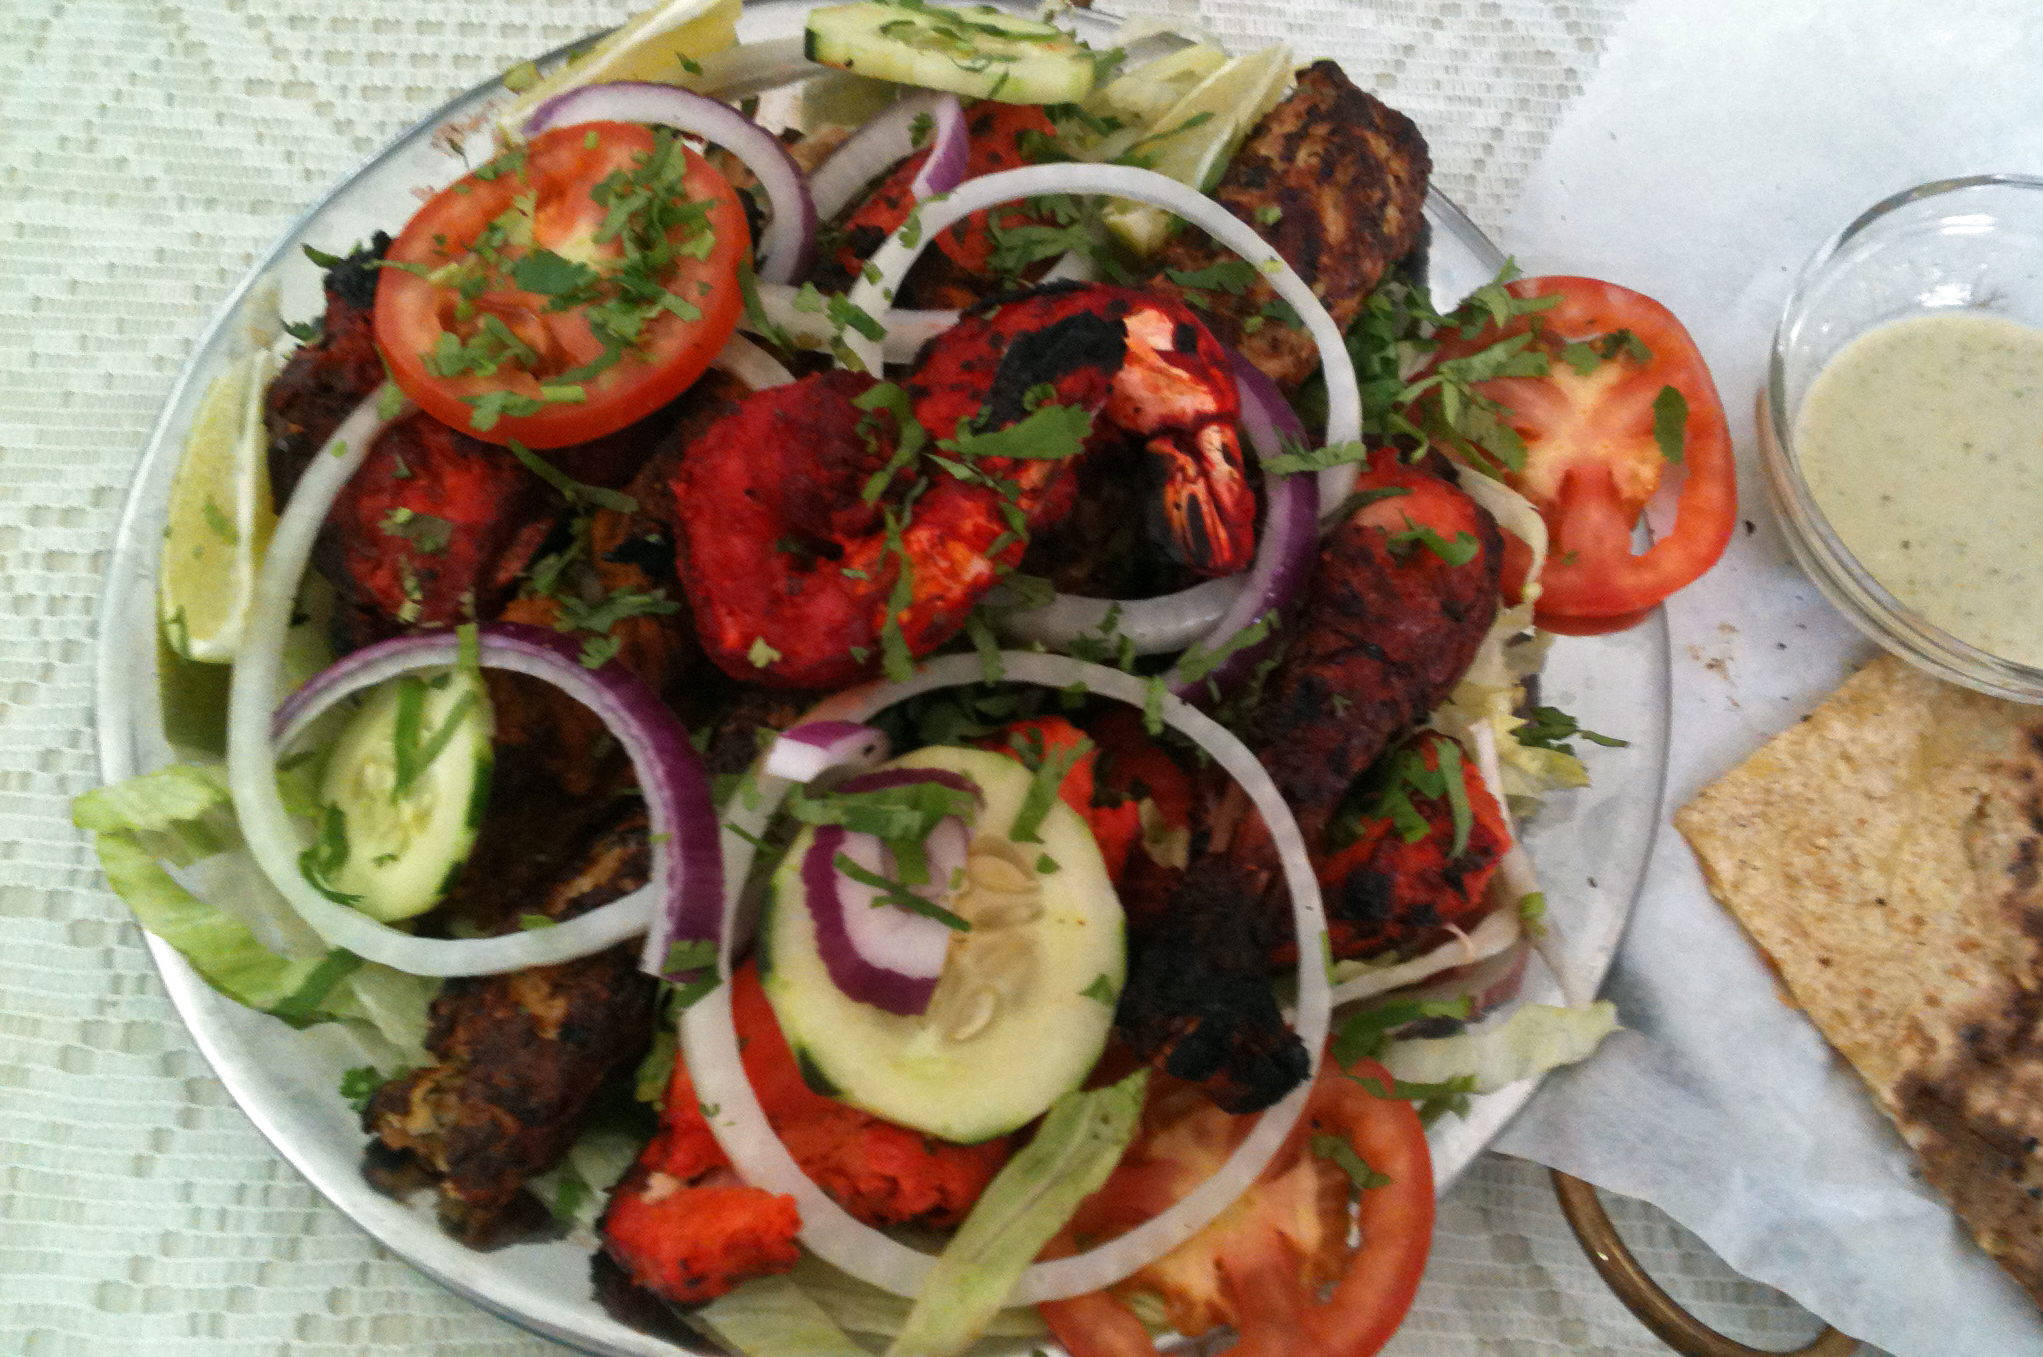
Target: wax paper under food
x=1712 y=153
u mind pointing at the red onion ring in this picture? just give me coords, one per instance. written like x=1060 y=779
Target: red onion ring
x=710 y=1041
x=789 y=240
x=1290 y=543
x=805 y=752
x=876 y=953
x=886 y=141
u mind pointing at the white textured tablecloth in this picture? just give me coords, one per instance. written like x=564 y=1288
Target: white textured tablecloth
x=149 y=151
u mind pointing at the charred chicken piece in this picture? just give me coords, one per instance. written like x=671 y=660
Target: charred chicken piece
x=327 y=378
x=1385 y=891
x=1198 y=1000
x=619 y=590
x=522 y=1056
x=1333 y=178
x=432 y=531
x=1405 y=590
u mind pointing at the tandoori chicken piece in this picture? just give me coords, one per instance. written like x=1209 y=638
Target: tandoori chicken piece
x=1335 y=179
x=1405 y=590
x=326 y=378
x=1403 y=883
x=433 y=530
x=684 y=1228
x=522 y=1055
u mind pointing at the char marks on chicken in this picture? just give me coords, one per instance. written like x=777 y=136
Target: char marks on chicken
x=522 y=1056
x=325 y=380
x=1335 y=179
x=1403 y=594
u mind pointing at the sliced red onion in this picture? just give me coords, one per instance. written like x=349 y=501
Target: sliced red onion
x=1487 y=984
x=1290 y=542
x=907 y=330
x=686 y=869
x=790 y=237
x=1157 y=626
x=945 y=168
x=805 y=752
x=710 y=1040
x=884 y=143
x=1498 y=932
x=877 y=953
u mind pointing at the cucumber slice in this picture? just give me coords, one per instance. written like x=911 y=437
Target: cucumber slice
x=1026 y=998
x=410 y=778
x=979 y=52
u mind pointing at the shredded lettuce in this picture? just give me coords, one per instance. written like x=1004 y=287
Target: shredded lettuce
x=180 y=814
x=183 y=814
x=1535 y=1038
x=1080 y=1140
x=774 y=1317
x=863 y=1308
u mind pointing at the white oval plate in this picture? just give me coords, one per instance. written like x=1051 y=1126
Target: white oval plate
x=1591 y=845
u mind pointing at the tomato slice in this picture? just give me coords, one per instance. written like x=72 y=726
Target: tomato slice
x=566 y=290
x=1257 y=1267
x=1591 y=457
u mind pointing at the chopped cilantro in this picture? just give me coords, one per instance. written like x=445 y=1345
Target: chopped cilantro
x=1101 y=990
x=1670 y=423
x=1460 y=551
x=359 y=1085
x=897 y=895
x=1337 y=1151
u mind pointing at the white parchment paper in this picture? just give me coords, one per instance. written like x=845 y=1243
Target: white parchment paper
x=1718 y=145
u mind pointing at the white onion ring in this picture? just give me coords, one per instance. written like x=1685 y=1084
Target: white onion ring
x=907 y=331
x=1498 y=932
x=252 y=757
x=750 y=364
x=884 y=142
x=789 y=240
x=889 y=265
x=687 y=872
x=710 y=1042
x=1156 y=626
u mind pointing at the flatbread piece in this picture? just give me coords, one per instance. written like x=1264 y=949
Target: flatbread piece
x=1885 y=854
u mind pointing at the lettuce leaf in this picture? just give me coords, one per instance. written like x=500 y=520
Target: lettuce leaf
x=1535 y=1038
x=1080 y=1140
x=181 y=814
x=774 y=1317
x=863 y=1308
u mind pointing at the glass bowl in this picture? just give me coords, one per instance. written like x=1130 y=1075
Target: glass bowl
x=1943 y=248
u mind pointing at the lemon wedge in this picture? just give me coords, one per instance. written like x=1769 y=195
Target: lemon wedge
x=220 y=517
x=659 y=45
x=1192 y=139
x=1145 y=93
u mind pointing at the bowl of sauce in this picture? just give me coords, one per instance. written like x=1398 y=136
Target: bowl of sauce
x=1901 y=428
